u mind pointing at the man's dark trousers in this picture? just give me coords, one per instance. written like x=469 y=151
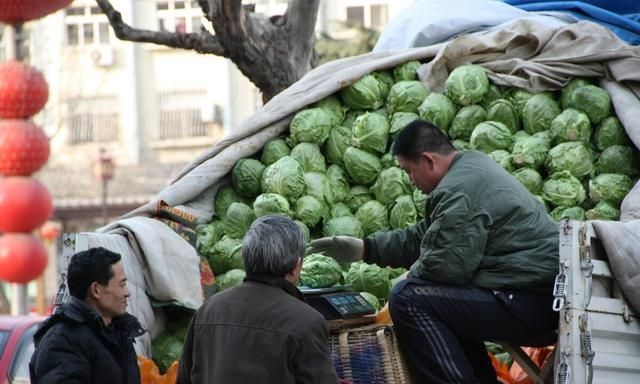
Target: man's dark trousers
x=442 y=328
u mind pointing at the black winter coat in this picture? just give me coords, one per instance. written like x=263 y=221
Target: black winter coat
x=74 y=346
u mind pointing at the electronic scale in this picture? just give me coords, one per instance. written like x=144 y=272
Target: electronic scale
x=337 y=302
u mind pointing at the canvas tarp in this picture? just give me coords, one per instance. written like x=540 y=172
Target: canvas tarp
x=524 y=54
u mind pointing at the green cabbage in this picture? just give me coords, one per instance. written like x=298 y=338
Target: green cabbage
x=406 y=71
x=274 y=150
x=461 y=145
x=309 y=210
x=610 y=132
x=568 y=90
x=230 y=278
x=334 y=107
x=337 y=184
x=340 y=210
x=420 y=201
x=592 y=100
x=246 y=176
x=357 y=196
x=221 y=257
x=318 y=186
x=573 y=213
x=369 y=278
x=503 y=158
x=310 y=125
x=610 y=186
x=224 y=198
x=370 y=132
x=563 y=189
x=385 y=80
x=437 y=109
x=373 y=216
x=391 y=184
x=530 y=178
x=238 y=220
x=371 y=299
x=572 y=156
x=494 y=93
x=309 y=157
x=530 y=151
x=208 y=235
x=570 y=125
x=619 y=159
x=166 y=349
x=465 y=120
x=504 y=112
x=337 y=143
x=491 y=136
x=538 y=113
x=366 y=93
x=305 y=230
x=284 y=177
x=604 y=210
x=363 y=167
x=271 y=204
x=406 y=96
x=467 y=84
x=343 y=226
x=319 y=271
x=404 y=213
x=399 y=120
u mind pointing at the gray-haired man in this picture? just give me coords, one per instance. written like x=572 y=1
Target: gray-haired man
x=260 y=331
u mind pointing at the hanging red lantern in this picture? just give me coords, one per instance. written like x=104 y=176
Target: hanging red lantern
x=23 y=90
x=19 y=11
x=23 y=257
x=50 y=230
x=24 y=148
x=25 y=204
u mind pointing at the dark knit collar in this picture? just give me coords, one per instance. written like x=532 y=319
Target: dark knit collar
x=275 y=281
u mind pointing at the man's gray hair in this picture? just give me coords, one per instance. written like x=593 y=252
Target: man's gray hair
x=272 y=245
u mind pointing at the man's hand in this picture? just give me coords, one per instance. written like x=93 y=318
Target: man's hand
x=344 y=249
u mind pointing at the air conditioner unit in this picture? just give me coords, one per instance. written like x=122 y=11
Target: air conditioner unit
x=102 y=56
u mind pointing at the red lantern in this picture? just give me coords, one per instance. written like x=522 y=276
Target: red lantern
x=22 y=257
x=25 y=204
x=50 y=230
x=19 y=11
x=24 y=148
x=23 y=90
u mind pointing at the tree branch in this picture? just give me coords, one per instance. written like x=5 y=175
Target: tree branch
x=203 y=42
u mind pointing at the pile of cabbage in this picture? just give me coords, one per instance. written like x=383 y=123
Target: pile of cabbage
x=334 y=173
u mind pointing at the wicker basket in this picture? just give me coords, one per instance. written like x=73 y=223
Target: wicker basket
x=368 y=355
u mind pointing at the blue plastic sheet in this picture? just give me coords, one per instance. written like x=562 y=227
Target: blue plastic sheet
x=622 y=17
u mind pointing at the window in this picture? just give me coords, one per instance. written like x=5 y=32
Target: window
x=180 y=115
x=371 y=16
x=19 y=369
x=93 y=120
x=178 y=16
x=86 y=25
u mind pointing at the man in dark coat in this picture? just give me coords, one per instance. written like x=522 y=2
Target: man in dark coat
x=260 y=331
x=90 y=338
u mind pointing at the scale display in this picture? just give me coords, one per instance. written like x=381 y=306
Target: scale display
x=339 y=305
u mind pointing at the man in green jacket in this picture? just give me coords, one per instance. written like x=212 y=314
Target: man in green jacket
x=481 y=263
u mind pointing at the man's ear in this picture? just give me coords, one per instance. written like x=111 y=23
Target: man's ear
x=428 y=158
x=95 y=290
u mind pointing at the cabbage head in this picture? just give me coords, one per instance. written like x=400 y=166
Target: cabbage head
x=373 y=216
x=518 y=97
x=371 y=299
x=610 y=132
x=366 y=93
x=572 y=156
x=568 y=90
x=491 y=136
x=271 y=204
x=388 y=160
x=610 y=186
x=319 y=271
x=230 y=278
x=420 y=201
x=438 y=109
x=467 y=84
x=317 y=185
x=339 y=210
x=604 y=210
x=461 y=145
x=284 y=177
x=343 y=226
x=311 y=125
x=246 y=176
x=391 y=184
x=570 y=125
x=338 y=185
x=619 y=159
x=349 y=119
x=309 y=210
x=573 y=213
x=563 y=189
x=337 y=143
x=538 y=113
x=357 y=196
x=504 y=112
x=221 y=256
x=503 y=158
x=369 y=278
x=530 y=151
x=363 y=167
x=465 y=120
x=166 y=348
x=274 y=150
x=592 y=100
x=370 y=132
x=309 y=157
x=404 y=213
x=406 y=71
x=334 y=107
x=406 y=96
x=494 y=93
x=399 y=120
x=238 y=220
x=225 y=196
x=385 y=79
x=208 y=235
x=530 y=178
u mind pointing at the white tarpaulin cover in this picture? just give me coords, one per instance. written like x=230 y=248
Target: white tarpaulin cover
x=524 y=53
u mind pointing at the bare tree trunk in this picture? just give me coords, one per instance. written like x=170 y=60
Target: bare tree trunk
x=272 y=52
